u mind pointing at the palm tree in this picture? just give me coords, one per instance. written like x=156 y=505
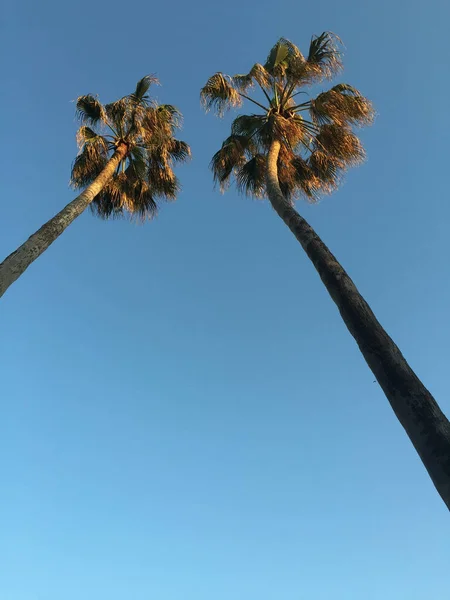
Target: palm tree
x=294 y=147
x=127 y=150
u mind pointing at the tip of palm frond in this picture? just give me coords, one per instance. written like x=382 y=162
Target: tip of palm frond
x=258 y=74
x=219 y=94
x=325 y=56
x=143 y=86
x=89 y=110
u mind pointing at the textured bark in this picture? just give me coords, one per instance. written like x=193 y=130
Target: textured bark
x=418 y=412
x=16 y=263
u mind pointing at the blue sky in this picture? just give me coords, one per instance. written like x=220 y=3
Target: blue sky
x=184 y=413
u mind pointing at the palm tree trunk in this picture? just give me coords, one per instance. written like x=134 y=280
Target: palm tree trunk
x=16 y=263
x=418 y=412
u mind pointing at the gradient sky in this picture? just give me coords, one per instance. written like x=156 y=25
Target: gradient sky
x=184 y=415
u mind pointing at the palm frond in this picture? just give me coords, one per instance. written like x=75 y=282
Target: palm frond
x=342 y=105
x=85 y=135
x=89 y=163
x=142 y=87
x=108 y=203
x=232 y=155
x=296 y=73
x=292 y=48
x=297 y=178
x=257 y=128
x=137 y=196
x=248 y=125
x=251 y=177
x=89 y=110
x=119 y=114
x=257 y=74
x=219 y=94
x=179 y=151
x=324 y=58
x=170 y=114
x=162 y=181
x=277 y=58
x=339 y=142
x=144 y=203
x=290 y=131
x=328 y=169
x=138 y=162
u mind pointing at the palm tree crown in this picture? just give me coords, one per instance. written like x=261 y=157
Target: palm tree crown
x=317 y=141
x=146 y=130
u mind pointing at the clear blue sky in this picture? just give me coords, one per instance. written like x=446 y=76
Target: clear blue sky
x=184 y=415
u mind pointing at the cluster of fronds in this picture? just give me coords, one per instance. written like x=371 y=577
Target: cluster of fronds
x=317 y=141
x=146 y=173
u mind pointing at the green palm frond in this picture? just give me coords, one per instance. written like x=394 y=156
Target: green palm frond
x=119 y=114
x=259 y=129
x=284 y=60
x=85 y=135
x=233 y=154
x=324 y=58
x=293 y=50
x=247 y=125
x=277 y=58
x=142 y=87
x=179 y=151
x=219 y=94
x=251 y=177
x=89 y=110
x=342 y=105
x=138 y=161
x=296 y=74
x=90 y=161
x=108 y=203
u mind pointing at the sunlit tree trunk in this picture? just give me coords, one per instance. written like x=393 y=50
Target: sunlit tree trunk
x=418 y=412
x=16 y=263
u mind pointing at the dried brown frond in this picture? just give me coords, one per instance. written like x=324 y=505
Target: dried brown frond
x=85 y=135
x=162 y=181
x=328 y=169
x=297 y=179
x=257 y=74
x=219 y=94
x=290 y=131
x=338 y=141
x=342 y=105
x=89 y=163
x=119 y=114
